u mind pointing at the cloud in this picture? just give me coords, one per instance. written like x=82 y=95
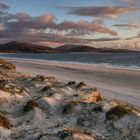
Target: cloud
x=1 y=27
x=135 y=3
x=106 y=39
x=15 y=25
x=35 y=37
x=128 y=1
x=46 y=19
x=138 y=35
x=45 y=28
x=128 y=25
x=23 y=20
x=21 y=17
x=84 y=27
x=111 y=12
x=76 y=40
x=137 y=45
x=3 y=6
x=132 y=45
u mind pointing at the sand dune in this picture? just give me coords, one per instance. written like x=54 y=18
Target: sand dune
x=43 y=108
x=122 y=84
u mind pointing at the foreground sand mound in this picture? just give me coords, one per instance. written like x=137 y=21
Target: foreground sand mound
x=7 y=66
x=42 y=108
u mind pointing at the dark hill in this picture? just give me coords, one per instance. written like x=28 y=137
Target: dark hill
x=22 y=47
x=84 y=48
x=75 y=48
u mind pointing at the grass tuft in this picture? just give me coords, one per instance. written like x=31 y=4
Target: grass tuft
x=117 y=112
x=71 y=83
x=4 y=122
x=30 y=105
x=67 y=109
x=80 y=85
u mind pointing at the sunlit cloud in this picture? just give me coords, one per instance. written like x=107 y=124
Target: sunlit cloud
x=23 y=26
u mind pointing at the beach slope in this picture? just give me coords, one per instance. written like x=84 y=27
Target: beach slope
x=44 y=108
x=122 y=84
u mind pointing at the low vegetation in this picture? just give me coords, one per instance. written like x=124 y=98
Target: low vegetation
x=4 y=122
x=117 y=112
x=30 y=105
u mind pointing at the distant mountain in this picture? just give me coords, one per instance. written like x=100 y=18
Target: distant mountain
x=75 y=48
x=67 y=47
x=22 y=47
x=84 y=48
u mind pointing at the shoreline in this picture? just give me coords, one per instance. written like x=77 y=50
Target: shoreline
x=100 y=65
x=114 y=83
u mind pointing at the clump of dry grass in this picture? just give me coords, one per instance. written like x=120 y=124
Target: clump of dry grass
x=74 y=102
x=80 y=121
x=68 y=133
x=45 y=88
x=80 y=85
x=71 y=83
x=2 y=84
x=96 y=97
x=67 y=109
x=98 y=108
x=38 y=78
x=7 y=65
x=10 y=86
x=51 y=79
x=30 y=105
x=117 y=112
x=4 y=122
x=64 y=134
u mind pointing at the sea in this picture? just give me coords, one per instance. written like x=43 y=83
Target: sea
x=117 y=60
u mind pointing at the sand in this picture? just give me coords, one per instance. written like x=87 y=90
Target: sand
x=41 y=107
x=122 y=84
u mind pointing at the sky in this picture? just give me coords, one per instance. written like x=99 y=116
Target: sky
x=98 y=23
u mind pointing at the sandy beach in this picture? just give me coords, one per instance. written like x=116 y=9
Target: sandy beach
x=41 y=107
x=115 y=83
